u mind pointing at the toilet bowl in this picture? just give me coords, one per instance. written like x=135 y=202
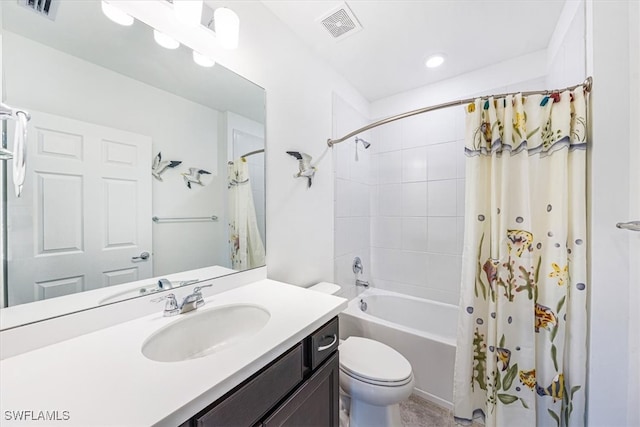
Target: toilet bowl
x=377 y=378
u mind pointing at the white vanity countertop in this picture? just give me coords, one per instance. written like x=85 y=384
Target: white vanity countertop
x=103 y=379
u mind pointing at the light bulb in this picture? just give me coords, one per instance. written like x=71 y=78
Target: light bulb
x=116 y=15
x=227 y=26
x=203 y=61
x=188 y=12
x=434 y=61
x=164 y=40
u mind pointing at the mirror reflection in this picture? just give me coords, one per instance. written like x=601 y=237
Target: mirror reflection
x=142 y=164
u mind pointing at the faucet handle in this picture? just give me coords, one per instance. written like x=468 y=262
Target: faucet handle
x=171 y=306
x=197 y=289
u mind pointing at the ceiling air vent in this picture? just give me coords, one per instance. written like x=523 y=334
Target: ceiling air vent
x=46 y=8
x=340 y=22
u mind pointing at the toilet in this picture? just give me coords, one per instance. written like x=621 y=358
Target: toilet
x=374 y=376
x=377 y=378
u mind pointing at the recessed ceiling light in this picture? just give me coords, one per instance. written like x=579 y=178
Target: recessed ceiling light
x=202 y=60
x=164 y=40
x=434 y=61
x=116 y=15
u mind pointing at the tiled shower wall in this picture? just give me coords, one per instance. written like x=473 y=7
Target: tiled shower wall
x=352 y=198
x=417 y=205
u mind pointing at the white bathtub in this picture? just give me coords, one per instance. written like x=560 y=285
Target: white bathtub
x=423 y=331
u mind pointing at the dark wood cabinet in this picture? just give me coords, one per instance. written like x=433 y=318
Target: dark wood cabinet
x=299 y=388
x=314 y=403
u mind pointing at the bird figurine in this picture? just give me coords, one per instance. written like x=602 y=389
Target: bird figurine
x=307 y=170
x=194 y=176
x=159 y=166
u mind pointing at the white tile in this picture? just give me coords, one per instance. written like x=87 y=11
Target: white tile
x=441 y=161
x=342 y=161
x=386 y=263
x=459 y=117
x=414 y=268
x=442 y=234
x=460 y=159
x=342 y=244
x=414 y=234
x=441 y=126
x=359 y=199
x=374 y=169
x=360 y=170
x=390 y=167
x=343 y=198
x=414 y=164
x=444 y=271
x=390 y=200
x=374 y=200
x=414 y=131
x=388 y=137
x=441 y=198
x=359 y=234
x=459 y=234
x=460 y=196
x=414 y=199
x=386 y=232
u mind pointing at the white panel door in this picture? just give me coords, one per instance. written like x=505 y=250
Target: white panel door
x=84 y=213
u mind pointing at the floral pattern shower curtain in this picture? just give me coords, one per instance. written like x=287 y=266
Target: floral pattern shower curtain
x=522 y=329
x=247 y=248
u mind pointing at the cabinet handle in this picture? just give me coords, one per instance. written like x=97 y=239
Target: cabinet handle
x=324 y=347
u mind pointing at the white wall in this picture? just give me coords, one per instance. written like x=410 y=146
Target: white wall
x=351 y=198
x=612 y=31
x=187 y=131
x=299 y=117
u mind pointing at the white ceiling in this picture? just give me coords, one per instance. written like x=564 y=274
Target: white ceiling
x=387 y=56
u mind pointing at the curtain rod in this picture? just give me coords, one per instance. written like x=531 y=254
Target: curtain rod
x=251 y=153
x=587 y=84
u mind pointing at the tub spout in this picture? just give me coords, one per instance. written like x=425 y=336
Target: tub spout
x=362 y=283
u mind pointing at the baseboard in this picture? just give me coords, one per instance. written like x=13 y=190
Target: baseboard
x=432 y=398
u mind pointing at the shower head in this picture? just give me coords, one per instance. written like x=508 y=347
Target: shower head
x=364 y=143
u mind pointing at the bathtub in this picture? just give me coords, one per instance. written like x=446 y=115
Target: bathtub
x=423 y=331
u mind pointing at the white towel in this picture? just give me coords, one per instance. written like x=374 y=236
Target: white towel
x=20 y=152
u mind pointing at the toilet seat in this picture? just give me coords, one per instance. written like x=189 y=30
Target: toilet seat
x=374 y=363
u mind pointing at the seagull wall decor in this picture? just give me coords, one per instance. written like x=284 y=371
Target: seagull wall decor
x=306 y=169
x=159 y=167
x=194 y=176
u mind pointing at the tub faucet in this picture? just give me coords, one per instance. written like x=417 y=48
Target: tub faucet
x=189 y=303
x=362 y=283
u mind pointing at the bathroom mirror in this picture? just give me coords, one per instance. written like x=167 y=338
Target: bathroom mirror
x=130 y=147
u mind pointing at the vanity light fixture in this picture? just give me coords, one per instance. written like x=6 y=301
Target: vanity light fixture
x=164 y=40
x=188 y=12
x=434 y=61
x=116 y=15
x=227 y=27
x=202 y=60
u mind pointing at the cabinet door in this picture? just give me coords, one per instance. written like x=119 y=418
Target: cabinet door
x=315 y=403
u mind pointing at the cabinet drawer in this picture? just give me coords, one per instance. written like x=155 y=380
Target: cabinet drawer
x=314 y=404
x=323 y=342
x=251 y=402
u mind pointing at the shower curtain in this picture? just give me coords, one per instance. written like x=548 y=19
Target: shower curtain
x=247 y=249
x=522 y=329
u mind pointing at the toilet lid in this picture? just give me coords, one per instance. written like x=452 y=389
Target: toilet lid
x=373 y=361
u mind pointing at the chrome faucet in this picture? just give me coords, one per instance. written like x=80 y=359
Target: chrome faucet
x=189 y=303
x=362 y=283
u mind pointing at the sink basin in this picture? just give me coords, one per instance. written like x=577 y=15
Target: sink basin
x=204 y=332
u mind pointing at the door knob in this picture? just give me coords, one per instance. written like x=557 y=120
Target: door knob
x=143 y=256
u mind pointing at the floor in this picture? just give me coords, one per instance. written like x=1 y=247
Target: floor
x=417 y=412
